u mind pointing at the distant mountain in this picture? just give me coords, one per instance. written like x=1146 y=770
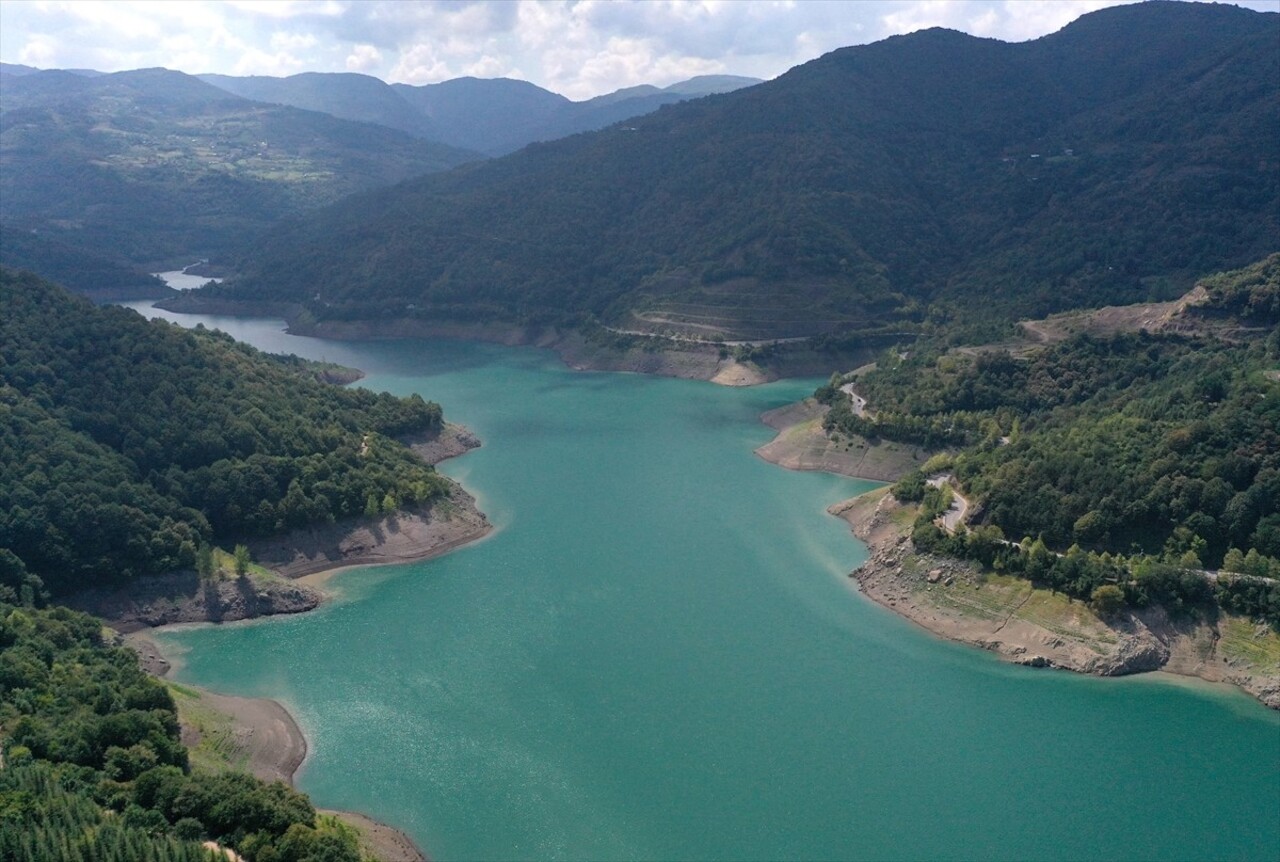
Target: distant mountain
x=489 y=115
x=17 y=69
x=154 y=166
x=493 y=115
x=499 y=116
x=921 y=177
x=709 y=85
x=348 y=96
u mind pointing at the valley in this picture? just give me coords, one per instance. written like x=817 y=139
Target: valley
x=437 y=511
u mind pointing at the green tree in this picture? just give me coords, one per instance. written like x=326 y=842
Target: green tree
x=1107 y=599
x=204 y=562
x=242 y=561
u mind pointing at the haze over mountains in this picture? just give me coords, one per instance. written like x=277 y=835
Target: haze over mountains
x=494 y=116
x=154 y=165
x=101 y=174
x=890 y=184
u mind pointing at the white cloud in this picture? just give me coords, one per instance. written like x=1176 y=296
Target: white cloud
x=258 y=62
x=419 y=65
x=580 y=48
x=363 y=58
x=284 y=9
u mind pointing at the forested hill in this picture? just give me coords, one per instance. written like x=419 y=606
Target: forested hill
x=125 y=443
x=494 y=116
x=1157 y=445
x=1107 y=163
x=95 y=769
x=99 y=275
x=158 y=167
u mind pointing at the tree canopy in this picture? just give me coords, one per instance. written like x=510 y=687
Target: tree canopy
x=1111 y=162
x=126 y=443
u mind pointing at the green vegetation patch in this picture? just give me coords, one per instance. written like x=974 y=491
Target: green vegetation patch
x=1242 y=639
x=127 y=444
x=1112 y=468
x=94 y=768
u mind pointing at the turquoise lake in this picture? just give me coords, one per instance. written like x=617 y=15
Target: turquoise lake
x=657 y=655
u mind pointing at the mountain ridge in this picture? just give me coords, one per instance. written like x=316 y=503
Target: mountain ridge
x=156 y=166
x=1114 y=160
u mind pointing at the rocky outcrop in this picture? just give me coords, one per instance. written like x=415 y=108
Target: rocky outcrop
x=402 y=537
x=449 y=441
x=181 y=597
x=1037 y=628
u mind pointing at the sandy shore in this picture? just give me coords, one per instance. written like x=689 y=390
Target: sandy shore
x=379 y=840
x=1029 y=626
x=258 y=735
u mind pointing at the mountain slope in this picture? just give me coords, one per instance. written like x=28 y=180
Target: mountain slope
x=100 y=276
x=1106 y=163
x=344 y=95
x=154 y=165
x=499 y=116
x=494 y=116
x=125 y=443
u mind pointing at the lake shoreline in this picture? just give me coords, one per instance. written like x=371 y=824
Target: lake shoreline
x=274 y=744
x=802 y=444
x=953 y=600
x=270 y=741
x=638 y=354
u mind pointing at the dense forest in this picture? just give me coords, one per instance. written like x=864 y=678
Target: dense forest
x=94 y=770
x=100 y=276
x=1160 y=447
x=126 y=444
x=890 y=183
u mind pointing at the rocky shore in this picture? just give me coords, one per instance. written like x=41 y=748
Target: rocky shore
x=1034 y=627
x=404 y=536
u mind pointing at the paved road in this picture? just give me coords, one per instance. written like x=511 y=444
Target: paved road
x=859 y=403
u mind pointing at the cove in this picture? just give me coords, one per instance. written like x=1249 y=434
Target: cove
x=657 y=656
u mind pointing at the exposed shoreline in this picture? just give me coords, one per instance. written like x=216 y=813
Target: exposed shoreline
x=801 y=444
x=1024 y=625
x=261 y=736
x=265 y=737
x=657 y=355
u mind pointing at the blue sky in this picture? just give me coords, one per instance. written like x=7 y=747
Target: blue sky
x=580 y=48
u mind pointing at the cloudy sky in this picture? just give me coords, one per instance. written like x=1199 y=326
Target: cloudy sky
x=580 y=48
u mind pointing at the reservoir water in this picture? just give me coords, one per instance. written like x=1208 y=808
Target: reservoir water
x=657 y=656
